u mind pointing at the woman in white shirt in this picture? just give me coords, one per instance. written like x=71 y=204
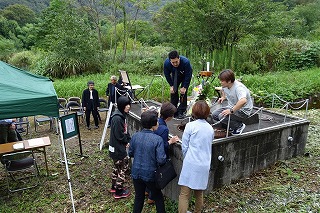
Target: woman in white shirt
x=196 y=149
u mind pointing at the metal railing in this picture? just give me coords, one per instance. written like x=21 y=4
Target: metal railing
x=288 y=104
x=151 y=83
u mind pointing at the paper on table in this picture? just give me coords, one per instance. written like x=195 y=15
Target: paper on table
x=18 y=146
x=36 y=142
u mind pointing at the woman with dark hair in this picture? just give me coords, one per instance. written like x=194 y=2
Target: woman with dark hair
x=148 y=152
x=167 y=112
x=118 y=143
x=196 y=150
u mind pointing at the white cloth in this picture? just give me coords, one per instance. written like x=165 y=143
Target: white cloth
x=196 y=149
x=235 y=93
x=91 y=96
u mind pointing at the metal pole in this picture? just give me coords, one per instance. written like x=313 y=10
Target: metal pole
x=162 y=85
x=148 y=94
x=115 y=94
x=307 y=106
x=260 y=118
x=67 y=168
x=272 y=105
x=228 y=126
x=56 y=123
x=285 y=116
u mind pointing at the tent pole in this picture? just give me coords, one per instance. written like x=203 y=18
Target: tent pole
x=67 y=167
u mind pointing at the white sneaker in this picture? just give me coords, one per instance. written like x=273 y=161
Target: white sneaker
x=239 y=130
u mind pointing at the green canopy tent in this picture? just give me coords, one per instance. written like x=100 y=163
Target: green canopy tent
x=25 y=94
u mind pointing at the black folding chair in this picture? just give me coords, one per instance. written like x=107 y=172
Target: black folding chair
x=21 y=170
x=103 y=107
x=73 y=106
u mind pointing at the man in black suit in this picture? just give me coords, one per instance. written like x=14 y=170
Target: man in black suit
x=111 y=90
x=90 y=103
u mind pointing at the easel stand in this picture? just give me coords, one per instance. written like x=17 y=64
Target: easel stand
x=70 y=129
x=106 y=125
x=80 y=145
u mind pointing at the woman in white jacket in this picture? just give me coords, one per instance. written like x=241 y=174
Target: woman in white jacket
x=196 y=149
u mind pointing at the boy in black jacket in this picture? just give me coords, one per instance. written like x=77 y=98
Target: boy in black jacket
x=90 y=103
x=119 y=141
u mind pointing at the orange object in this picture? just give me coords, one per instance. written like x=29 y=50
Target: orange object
x=206 y=73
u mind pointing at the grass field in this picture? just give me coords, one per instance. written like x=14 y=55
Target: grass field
x=287 y=186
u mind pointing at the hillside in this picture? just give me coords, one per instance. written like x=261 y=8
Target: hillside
x=35 y=5
x=39 y=5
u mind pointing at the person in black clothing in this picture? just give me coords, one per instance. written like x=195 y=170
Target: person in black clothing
x=8 y=131
x=118 y=143
x=177 y=70
x=110 y=91
x=90 y=103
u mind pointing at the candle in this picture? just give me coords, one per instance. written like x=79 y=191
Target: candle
x=208 y=66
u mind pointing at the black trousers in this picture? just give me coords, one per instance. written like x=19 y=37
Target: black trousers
x=235 y=119
x=176 y=98
x=140 y=188
x=90 y=109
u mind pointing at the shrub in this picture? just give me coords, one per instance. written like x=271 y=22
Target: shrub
x=7 y=47
x=279 y=54
x=249 y=68
x=305 y=57
x=144 y=60
x=22 y=59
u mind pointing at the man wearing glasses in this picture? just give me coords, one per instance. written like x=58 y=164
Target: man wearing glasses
x=178 y=72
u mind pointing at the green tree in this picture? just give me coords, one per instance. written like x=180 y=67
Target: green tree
x=71 y=45
x=126 y=11
x=7 y=47
x=19 y=13
x=8 y=35
x=28 y=35
x=92 y=9
x=8 y=28
x=215 y=23
x=144 y=32
x=310 y=19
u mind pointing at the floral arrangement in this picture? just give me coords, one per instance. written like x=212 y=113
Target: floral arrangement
x=202 y=91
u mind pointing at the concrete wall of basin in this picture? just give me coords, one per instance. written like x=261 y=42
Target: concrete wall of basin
x=243 y=154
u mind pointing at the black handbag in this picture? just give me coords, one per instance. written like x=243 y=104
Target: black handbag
x=164 y=174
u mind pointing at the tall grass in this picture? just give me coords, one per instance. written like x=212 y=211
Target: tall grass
x=289 y=85
x=74 y=86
